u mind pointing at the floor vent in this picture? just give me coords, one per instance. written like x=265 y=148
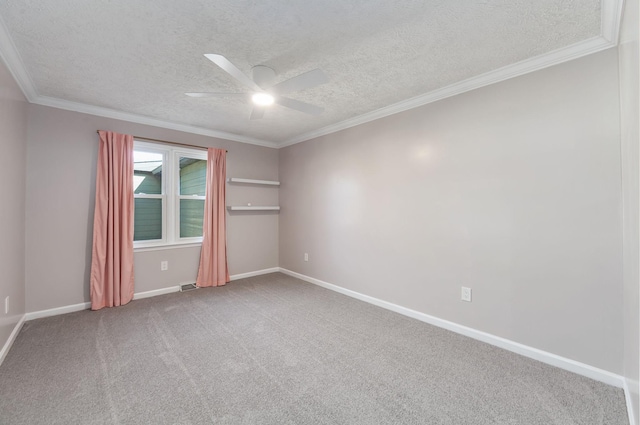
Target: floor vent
x=188 y=287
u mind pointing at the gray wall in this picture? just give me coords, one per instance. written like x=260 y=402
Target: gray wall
x=512 y=190
x=62 y=153
x=629 y=50
x=13 y=138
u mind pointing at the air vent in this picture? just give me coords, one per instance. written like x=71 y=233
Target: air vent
x=188 y=287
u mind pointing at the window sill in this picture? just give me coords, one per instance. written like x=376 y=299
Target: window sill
x=166 y=246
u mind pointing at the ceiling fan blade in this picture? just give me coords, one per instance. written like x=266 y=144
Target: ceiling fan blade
x=231 y=69
x=301 y=82
x=216 y=94
x=299 y=106
x=256 y=113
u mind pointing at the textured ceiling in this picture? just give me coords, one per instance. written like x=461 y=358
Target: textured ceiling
x=140 y=56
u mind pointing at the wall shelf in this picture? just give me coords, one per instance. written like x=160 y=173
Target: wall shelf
x=252 y=208
x=251 y=181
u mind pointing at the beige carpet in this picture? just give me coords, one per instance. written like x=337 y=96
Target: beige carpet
x=275 y=350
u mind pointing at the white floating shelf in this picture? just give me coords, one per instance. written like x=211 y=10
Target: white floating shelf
x=251 y=181
x=252 y=208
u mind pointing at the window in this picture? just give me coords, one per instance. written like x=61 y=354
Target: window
x=169 y=187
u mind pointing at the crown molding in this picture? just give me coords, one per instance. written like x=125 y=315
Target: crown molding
x=141 y=119
x=611 y=13
x=556 y=57
x=611 y=17
x=10 y=56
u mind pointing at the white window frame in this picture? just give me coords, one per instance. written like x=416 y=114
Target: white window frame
x=177 y=154
x=170 y=194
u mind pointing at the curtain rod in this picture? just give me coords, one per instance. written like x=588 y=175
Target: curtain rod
x=168 y=142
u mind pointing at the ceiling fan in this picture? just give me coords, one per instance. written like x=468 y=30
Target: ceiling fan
x=264 y=92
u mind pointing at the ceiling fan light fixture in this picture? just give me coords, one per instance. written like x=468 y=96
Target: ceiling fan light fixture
x=261 y=86
x=263 y=99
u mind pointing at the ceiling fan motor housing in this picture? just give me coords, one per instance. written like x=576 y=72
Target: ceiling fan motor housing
x=263 y=76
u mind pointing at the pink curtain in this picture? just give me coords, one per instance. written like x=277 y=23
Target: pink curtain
x=112 y=259
x=213 y=269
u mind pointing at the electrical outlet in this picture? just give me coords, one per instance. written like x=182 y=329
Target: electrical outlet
x=164 y=265
x=6 y=305
x=466 y=294
x=306 y=257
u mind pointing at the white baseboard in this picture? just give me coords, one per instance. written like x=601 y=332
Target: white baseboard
x=256 y=273
x=627 y=396
x=57 y=311
x=85 y=306
x=524 y=350
x=533 y=353
x=12 y=338
x=137 y=296
x=156 y=292
x=527 y=351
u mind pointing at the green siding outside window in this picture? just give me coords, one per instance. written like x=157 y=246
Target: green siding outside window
x=147 y=220
x=193 y=173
